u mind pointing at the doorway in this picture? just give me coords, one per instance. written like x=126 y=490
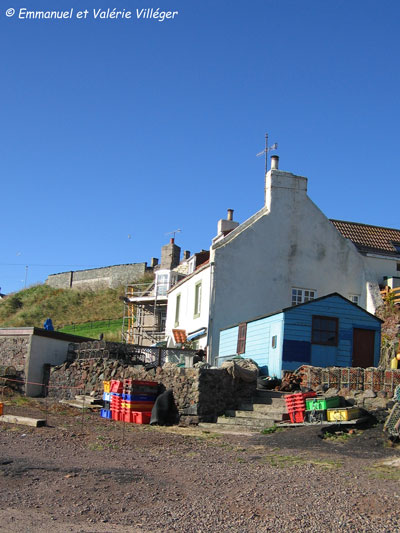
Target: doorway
x=363 y=347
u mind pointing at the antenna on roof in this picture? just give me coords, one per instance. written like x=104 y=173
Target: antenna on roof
x=174 y=232
x=266 y=150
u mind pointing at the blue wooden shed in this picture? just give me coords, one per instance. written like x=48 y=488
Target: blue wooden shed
x=327 y=331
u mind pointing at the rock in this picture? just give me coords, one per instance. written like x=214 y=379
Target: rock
x=331 y=392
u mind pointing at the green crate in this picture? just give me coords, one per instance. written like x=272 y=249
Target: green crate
x=319 y=404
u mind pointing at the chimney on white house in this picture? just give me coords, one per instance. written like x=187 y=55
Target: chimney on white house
x=225 y=226
x=282 y=189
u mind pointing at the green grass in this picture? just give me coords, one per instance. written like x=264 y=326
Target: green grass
x=67 y=308
x=110 y=328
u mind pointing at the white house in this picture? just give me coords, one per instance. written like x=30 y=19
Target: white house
x=287 y=253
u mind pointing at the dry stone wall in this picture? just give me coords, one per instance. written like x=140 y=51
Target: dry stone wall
x=201 y=393
x=13 y=351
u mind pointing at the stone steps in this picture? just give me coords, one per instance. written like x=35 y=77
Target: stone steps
x=267 y=408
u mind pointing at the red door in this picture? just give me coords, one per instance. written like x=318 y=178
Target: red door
x=363 y=347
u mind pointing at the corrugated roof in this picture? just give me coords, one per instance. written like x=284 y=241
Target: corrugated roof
x=368 y=238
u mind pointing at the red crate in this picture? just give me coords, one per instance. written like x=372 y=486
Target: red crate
x=297 y=417
x=116 y=386
x=142 y=417
x=115 y=415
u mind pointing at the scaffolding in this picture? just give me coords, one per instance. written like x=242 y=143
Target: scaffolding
x=144 y=315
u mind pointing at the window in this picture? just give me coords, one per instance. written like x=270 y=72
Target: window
x=162 y=284
x=197 y=299
x=177 y=306
x=354 y=298
x=324 y=330
x=398 y=267
x=274 y=341
x=241 y=344
x=300 y=296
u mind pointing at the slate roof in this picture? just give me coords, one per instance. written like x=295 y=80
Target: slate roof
x=374 y=239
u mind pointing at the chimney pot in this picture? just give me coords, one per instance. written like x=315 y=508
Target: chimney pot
x=172 y=240
x=274 y=162
x=230 y=214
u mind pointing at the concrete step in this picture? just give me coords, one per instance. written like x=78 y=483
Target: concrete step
x=257 y=423
x=263 y=408
x=270 y=415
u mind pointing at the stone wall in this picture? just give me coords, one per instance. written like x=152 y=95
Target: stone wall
x=198 y=392
x=13 y=351
x=98 y=278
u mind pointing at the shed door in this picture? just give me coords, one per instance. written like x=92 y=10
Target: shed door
x=363 y=347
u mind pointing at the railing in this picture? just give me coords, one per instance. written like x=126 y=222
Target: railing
x=130 y=353
x=391 y=295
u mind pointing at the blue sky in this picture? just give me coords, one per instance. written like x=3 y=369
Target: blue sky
x=111 y=128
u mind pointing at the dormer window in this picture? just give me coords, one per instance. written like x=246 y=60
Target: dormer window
x=165 y=279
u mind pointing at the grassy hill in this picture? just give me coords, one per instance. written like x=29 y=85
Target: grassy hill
x=31 y=307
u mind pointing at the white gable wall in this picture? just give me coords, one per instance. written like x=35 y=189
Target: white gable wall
x=289 y=243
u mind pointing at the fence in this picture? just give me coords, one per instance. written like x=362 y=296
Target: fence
x=129 y=353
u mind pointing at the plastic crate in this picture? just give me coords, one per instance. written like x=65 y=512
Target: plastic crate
x=139 y=397
x=105 y=413
x=116 y=386
x=142 y=417
x=1 y=408
x=319 y=404
x=107 y=386
x=315 y=416
x=343 y=414
x=296 y=417
x=106 y=396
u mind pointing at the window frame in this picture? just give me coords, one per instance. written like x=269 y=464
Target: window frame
x=302 y=293
x=197 y=299
x=241 y=340
x=314 y=330
x=177 y=309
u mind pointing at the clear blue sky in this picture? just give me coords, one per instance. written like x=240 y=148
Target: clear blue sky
x=112 y=128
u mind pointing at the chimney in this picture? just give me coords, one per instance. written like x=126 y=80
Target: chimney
x=186 y=254
x=283 y=189
x=225 y=226
x=274 y=162
x=153 y=262
x=170 y=255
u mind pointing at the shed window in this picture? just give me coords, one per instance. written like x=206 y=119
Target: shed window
x=325 y=330
x=241 y=344
x=274 y=341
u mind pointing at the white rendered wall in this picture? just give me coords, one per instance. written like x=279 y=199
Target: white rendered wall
x=187 y=321
x=289 y=243
x=43 y=350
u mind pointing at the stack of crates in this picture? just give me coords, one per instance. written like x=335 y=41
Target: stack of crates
x=106 y=411
x=138 y=398
x=116 y=400
x=296 y=405
x=316 y=408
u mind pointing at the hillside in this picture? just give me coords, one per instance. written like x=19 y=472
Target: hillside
x=31 y=307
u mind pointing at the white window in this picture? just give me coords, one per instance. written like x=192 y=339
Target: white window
x=300 y=296
x=162 y=284
x=197 y=299
x=355 y=298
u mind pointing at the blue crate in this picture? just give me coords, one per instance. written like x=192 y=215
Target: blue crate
x=139 y=397
x=106 y=396
x=105 y=413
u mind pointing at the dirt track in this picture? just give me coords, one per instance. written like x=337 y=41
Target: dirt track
x=96 y=477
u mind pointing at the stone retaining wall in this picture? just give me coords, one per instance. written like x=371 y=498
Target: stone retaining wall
x=98 y=278
x=199 y=392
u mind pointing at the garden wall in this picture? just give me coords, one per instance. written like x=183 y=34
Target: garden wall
x=198 y=392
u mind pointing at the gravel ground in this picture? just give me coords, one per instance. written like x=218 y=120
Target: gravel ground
x=103 y=476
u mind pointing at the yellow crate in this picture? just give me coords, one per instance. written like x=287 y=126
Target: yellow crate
x=107 y=386
x=343 y=414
